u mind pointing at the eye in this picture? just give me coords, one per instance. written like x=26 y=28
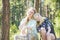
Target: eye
x=31 y=11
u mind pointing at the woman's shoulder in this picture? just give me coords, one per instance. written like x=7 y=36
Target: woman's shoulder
x=34 y=21
x=23 y=19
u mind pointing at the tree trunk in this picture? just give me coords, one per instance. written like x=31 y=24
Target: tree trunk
x=46 y=11
x=27 y=3
x=5 y=20
x=36 y=5
x=41 y=8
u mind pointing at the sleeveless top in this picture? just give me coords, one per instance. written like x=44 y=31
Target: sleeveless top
x=46 y=24
x=30 y=27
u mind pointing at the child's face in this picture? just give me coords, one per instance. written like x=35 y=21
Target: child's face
x=36 y=17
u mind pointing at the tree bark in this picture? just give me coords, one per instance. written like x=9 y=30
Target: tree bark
x=5 y=20
x=47 y=10
x=36 y=5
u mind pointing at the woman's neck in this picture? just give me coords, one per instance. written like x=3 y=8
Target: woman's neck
x=30 y=18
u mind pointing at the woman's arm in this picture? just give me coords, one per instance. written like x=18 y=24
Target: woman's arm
x=23 y=23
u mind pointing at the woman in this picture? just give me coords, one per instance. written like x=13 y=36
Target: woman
x=44 y=27
x=28 y=26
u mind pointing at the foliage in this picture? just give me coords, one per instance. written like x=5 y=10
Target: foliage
x=54 y=6
x=13 y=30
x=17 y=11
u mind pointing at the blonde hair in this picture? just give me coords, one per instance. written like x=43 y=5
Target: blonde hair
x=36 y=14
x=29 y=9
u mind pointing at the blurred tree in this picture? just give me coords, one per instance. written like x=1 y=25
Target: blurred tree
x=0 y=12
x=36 y=5
x=18 y=8
x=41 y=7
x=5 y=20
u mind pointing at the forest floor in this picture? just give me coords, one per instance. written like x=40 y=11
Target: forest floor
x=0 y=36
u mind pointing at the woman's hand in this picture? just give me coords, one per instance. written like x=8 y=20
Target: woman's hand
x=29 y=28
x=24 y=31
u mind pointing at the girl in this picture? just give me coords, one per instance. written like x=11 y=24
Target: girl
x=44 y=27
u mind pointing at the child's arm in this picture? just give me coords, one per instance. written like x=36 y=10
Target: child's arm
x=49 y=29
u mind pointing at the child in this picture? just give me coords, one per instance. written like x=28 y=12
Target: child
x=44 y=27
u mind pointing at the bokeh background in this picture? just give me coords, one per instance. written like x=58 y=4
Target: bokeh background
x=47 y=8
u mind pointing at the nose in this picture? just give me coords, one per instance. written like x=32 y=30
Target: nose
x=31 y=11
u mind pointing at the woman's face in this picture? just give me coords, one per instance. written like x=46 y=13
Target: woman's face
x=30 y=13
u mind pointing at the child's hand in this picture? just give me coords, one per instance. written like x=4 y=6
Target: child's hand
x=49 y=29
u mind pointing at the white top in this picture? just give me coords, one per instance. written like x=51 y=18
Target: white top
x=30 y=27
